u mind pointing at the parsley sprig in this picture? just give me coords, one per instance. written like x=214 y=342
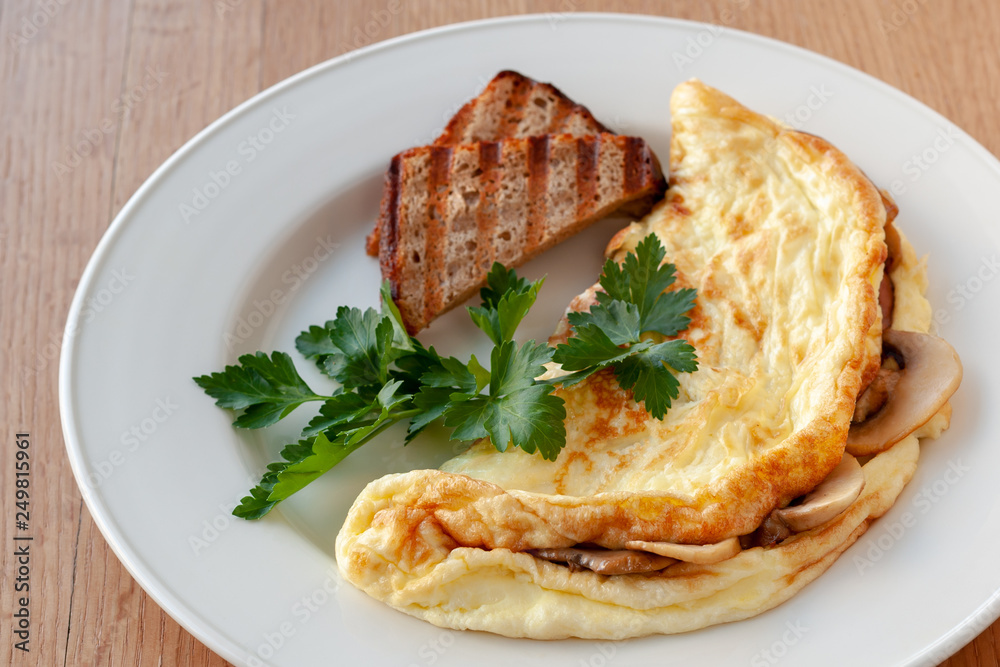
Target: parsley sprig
x=387 y=376
x=622 y=329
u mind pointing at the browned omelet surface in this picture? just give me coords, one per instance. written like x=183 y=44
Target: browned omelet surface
x=782 y=236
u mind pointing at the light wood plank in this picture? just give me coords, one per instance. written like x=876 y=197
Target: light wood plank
x=56 y=166
x=188 y=63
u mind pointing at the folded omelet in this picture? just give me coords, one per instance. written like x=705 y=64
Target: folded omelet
x=783 y=238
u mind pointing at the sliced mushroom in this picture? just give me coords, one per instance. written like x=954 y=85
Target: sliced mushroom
x=886 y=298
x=772 y=531
x=605 y=561
x=931 y=373
x=887 y=292
x=703 y=554
x=877 y=394
x=833 y=495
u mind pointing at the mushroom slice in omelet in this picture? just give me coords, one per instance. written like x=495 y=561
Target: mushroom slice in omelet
x=783 y=238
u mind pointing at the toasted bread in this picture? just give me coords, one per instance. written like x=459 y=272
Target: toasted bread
x=510 y=107
x=449 y=212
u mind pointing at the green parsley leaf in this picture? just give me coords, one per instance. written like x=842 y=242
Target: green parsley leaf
x=513 y=367
x=315 y=343
x=517 y=410
x=668 y=314
x=502 y=311
x=342 y=408
x=499 y=281
x=400 y=339
x=265 y=388
x=323 y=455
x=310 y=458
x=641 y=280
x=632 y=304
x=619 y=320
x=533 y=418
x=451 y=372
x=257 y=504
x=410 y=366
x=644 y=374
x=364 y=344
x=443 y=385
x=430 y=403
x=590 y=347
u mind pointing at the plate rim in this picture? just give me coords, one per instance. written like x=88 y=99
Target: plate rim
x=145 y=576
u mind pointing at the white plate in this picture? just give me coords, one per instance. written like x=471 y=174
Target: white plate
x=276 y=244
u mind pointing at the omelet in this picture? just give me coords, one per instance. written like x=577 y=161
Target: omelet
x=784 y=240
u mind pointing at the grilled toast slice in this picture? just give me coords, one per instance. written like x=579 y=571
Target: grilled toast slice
x=513 y=106
x=449 y=212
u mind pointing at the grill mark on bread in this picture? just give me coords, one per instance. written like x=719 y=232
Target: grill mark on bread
x=538 y=186
x=486 y=213
x=434 y=240
x=633 y=162
x=519 y=95
x=410 y=267
x=509 y=235
x=586 y=174
x=389 y=226
x=562 y=115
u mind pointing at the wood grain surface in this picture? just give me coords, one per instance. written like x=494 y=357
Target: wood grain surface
x=96 y=94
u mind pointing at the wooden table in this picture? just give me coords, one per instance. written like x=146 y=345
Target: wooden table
x=96 y=94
